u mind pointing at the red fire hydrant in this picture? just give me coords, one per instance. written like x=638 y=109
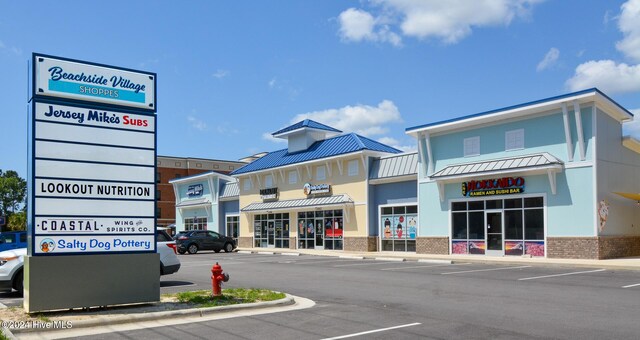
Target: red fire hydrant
x=217 y=278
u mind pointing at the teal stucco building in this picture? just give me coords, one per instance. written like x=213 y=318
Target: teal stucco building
x=552 y=178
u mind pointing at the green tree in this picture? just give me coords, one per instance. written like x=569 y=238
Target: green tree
x=13 y=190
x=17 y=221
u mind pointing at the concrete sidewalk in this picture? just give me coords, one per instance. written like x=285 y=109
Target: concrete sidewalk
x=630 y=263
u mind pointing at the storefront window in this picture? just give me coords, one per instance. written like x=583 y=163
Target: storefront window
x=271 y=230
x=195 y=223
x=523 y=220
x=321 y=229
x=233 y=227
x=398 y=228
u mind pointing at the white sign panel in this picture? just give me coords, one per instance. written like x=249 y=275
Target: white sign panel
x=55 y=77
x=93 y=225
x=93 y=244
x=63 y=169
x=83 y=207
x=93 y=153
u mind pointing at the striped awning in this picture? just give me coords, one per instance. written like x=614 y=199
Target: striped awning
x=539 y=161
x=299 y=203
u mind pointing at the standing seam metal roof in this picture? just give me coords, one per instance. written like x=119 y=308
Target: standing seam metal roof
x=229 y=189
x=306 y=123
x=400 y=165
x=522 y=162
x=339 y=145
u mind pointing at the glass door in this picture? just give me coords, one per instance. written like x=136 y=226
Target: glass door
x=493 y=221
x=271 y=239
x=319 y=233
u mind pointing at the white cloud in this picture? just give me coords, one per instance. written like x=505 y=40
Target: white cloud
x=606 y=75
x=392 y=142
x=268 y=137
x=14 y=50
x=549 y=59
x=272 y=83
x=629 y=25
x=197 y=123
x=633 y=127
x=362 y=119
x=358 y=25
x=450 y=21
x=220 y=73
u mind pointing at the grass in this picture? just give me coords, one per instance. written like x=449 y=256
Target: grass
x=203 y=298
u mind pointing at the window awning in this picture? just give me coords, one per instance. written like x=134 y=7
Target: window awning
x=335 y=200
x=533 y=164
x=194 y=203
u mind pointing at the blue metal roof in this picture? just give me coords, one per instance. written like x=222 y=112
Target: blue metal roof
x=308 y=123
x=519 y=106
x=339 y=145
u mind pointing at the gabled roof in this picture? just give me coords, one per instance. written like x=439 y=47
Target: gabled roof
x=307 y=123
x=395 y=166
x=335 y=146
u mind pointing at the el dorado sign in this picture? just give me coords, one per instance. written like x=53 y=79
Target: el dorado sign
x=490 y=187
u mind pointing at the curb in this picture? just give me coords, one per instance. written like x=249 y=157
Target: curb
x=352 y=257
x=394 y=259
x=435 y=261
x=132 y=318
x=244 y=252
x=291 y=254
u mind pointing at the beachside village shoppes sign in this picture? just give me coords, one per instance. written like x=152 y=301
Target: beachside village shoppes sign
x=92 y=185
x=491 y=187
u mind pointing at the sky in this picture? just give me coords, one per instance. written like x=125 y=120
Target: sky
x=230 y=73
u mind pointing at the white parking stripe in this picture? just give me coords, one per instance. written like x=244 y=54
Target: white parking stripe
x=435 y=265
x=360 y=264
x=572 y=273
x=485 y=270
x=629 y=286
x=372 y=331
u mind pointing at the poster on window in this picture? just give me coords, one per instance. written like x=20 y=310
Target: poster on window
x=412 y=223
x=459 y=247
x=477 y=247
x=534 y=248
x=386 y=226
x=513 y=247
x=399 y=224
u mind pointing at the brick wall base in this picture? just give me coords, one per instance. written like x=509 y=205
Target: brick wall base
x=364 y=244
x=432 y=245
x=619 y=246
x=596 y=248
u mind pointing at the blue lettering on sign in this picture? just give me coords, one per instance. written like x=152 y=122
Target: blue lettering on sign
x=115 y=87
x=57 y=73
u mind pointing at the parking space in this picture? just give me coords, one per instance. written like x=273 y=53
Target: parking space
x=533 y=274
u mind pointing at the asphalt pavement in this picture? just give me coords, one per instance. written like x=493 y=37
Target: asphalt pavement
x=405 y=297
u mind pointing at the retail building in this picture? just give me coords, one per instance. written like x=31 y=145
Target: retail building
x=315 y=194
x=208 y=201
x=553 y=178
x=170 y=168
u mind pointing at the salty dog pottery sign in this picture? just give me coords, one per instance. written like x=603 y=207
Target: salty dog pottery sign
x=56 y=77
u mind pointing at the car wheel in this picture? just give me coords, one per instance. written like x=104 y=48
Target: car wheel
x=181 y=251
x=228 y=248
x=18 y=282
x=217 y=250
x=193 y=248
